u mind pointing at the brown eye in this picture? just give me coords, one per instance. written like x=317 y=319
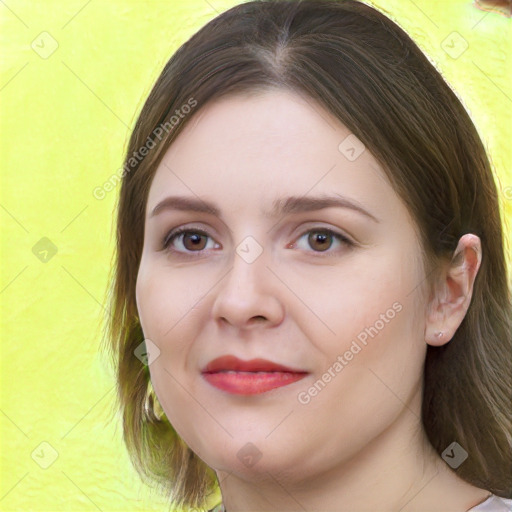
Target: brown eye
x=323 y=240
x=320 y=240
x=187 y=241
x=194 y=241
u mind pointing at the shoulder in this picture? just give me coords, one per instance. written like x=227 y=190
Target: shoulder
x=494 y=504
x=218 y=508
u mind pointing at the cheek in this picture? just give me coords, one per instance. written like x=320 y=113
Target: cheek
x=165 y=299
x=168 y=305
x=380 y=368
x=375 y=311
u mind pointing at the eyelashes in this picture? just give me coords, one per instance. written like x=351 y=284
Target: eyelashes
x=324 y=233
x=192 y=238
x=177 y=233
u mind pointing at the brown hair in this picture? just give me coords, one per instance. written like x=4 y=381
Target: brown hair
x=363 y=68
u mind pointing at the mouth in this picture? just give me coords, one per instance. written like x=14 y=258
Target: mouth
x=233 y=375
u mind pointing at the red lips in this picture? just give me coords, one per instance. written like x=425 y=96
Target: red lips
x=232 y=363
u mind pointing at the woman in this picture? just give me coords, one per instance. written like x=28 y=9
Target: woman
x=310 y=254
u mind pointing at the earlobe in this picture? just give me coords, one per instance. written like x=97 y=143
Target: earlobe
x=437 y=338
x=451 y=301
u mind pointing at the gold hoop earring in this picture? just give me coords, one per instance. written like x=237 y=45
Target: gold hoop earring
x=152 y=408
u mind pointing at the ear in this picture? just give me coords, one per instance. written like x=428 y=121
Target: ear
x=452 y=296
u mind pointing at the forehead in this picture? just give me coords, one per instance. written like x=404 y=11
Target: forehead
x=266 y=124
x=248 y=151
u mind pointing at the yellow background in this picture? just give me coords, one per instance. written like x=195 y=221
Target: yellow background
x=65 y=119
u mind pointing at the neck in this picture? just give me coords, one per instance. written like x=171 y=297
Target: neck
x=398 y=471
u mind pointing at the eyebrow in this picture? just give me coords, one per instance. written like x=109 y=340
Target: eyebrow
x=288 y=205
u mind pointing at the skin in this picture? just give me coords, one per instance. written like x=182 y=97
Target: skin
x=358 y=444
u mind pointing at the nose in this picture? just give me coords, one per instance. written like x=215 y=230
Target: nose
x=247 y=296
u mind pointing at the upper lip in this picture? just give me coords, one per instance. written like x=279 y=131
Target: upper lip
x=230 y=362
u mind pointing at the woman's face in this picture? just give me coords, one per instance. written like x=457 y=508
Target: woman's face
x=306 y=258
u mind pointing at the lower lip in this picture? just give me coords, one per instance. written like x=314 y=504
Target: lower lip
x=251 y=383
